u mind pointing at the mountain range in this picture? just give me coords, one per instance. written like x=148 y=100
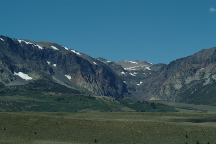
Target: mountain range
x=53 y=69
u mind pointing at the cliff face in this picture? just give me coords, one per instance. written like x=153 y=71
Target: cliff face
x=22 y=62
x=191 y=79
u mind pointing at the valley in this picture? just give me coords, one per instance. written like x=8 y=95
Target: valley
x=52 y=94
x=27 y=64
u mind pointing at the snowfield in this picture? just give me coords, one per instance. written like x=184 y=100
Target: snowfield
x=23 y=76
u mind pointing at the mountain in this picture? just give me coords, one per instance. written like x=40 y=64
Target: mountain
x=29 y=68
x=189 y=80
x=24 y=62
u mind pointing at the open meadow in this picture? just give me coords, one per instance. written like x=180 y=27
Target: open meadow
x=108 y=128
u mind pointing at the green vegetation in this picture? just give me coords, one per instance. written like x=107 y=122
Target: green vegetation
x=45 y=96
x=52 y=97
x=60 y=115
x=182 y=107
x=106 y=128
x=144 y=106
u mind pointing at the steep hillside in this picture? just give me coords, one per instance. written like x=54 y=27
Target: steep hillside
x=190 y=80
x=23 y=61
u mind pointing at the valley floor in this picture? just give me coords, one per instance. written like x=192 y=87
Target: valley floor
x=107 y=128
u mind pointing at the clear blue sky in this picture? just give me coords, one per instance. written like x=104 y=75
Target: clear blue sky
x=153 y=30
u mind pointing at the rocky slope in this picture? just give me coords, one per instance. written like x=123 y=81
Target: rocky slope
x=24 y=61
x=190 y=80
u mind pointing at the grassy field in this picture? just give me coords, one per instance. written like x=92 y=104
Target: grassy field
x=107 y=128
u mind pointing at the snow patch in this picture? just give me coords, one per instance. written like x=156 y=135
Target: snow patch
x=29 y=43
x=94 y=63
x=131 y=68
x=66 y=48
x=1 y=39
x=54 y=65
x=148 y=68
x=133 y=74
x=72 y=50
x=48 y=62
x=123 y=73
x=125 y=82
x=134 y=68
x=75 y=52
x=68 y=77
x=23 y=76
x=139 y=83
x=40 y=47
x=53 y=47
x=133 y=62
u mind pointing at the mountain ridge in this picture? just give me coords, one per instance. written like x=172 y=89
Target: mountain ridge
x=60 y=64
x=182 y=80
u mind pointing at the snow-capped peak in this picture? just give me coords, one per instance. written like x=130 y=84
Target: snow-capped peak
x=30 y=43
x=135 y=65
x=26 y=42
